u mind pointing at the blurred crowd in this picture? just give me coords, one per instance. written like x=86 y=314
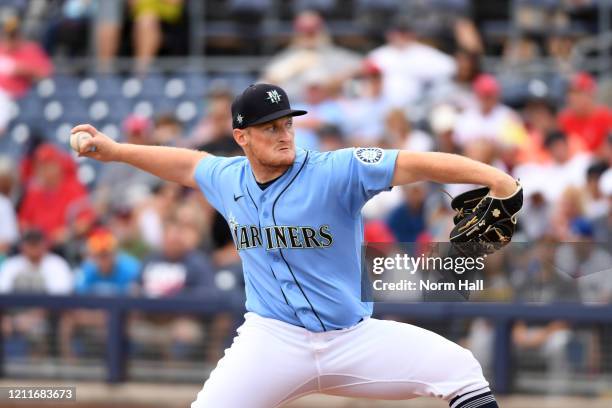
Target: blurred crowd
x=132 y=234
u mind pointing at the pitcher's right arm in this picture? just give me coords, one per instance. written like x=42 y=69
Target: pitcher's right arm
x=168 y=163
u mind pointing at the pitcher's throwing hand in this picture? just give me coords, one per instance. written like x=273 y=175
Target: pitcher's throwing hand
x=99 y=146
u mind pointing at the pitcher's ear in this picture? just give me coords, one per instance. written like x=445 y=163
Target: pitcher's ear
x=240 y=136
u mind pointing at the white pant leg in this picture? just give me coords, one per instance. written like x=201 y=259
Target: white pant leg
x=391 y=360
x=269 y=362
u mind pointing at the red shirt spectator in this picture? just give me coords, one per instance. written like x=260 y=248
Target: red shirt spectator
x=22 y=62
x=54 y=197
x=582 y=119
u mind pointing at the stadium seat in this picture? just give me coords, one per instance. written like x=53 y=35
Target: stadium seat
x=99 y=110
x=65 y=84
x=30 y=106
x=131 y=87
x=75 y=110
x=195 y=83
x=175 y=88
x=237 y=81
x=119 y=107
x=153 y=85
x=322 y=6
x=378 y=5
x=88 y=88
x=53 y=110
x=108 y=84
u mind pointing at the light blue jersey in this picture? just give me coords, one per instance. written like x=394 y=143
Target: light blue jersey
x=300 y=238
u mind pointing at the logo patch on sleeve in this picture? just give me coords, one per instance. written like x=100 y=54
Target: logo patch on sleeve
x=369 y=155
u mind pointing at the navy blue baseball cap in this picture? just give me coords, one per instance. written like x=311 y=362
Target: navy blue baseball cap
x=261 y=103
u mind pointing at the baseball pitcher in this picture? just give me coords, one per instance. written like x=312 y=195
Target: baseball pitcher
x=295 y=219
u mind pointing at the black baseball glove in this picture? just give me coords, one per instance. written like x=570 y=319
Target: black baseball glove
x=484 y=224
x=465 y=203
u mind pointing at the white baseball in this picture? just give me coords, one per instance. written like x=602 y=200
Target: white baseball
x=77 y=139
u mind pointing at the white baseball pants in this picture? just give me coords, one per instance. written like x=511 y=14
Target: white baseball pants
x=271 y=363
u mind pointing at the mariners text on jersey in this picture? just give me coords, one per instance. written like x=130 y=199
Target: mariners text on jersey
x=278 y=236
x=300 y=239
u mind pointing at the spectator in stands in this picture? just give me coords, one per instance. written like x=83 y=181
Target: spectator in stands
x=587 y=262
x=123 y=222
x=167 y=130
x=214 y=131
x=447 y=23
x=109 y=18
x=568 y=209
x=409 y=68
x=179 y=270
x=330 y=138
x=22 y=62
x=311 y=49
x=535 y=278
x=67 y=27
x=34 y=269
x=407 y=221
x=190 y=214
x=9 y=231
x=538 y=281
x=536 y=215
x=363 y=117
x=176 y=269
x=560 y=46
x=564 y=169
x=107 y=271
x=520 y=52
x=155 y=210
x=116 y=179
x=54 y=200
x=401 y=133
x=322 y=109
x=582 y=119
x=490 y=122
x=149 y=15
x=442 y=121
x=458 y=92
x=540 y=120
x=595 y=202
x=603 y=224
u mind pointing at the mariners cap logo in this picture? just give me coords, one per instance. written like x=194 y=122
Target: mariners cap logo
x=369 y=155
x=273 y=96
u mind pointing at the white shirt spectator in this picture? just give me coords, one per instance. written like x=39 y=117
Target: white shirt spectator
x=407 y=70
x=151 y=227
x=9 y=231
x=364 y=118
x=52 y=275
x=379 y=206
x=419 y=141
x=553 y=179
x=473 y=125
